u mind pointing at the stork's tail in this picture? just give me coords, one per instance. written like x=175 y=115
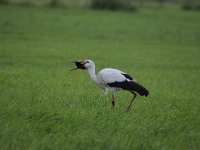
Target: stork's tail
x=138 y=88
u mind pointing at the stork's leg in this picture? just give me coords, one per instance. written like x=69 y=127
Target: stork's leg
x=113 y=100
x=134 y=96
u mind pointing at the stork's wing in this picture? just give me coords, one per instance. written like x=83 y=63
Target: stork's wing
x=118 y=79
x=110 y=75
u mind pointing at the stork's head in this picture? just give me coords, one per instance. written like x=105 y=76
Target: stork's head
x=85 y=65
x=89 y=64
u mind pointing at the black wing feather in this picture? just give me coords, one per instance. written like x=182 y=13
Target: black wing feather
x=127 y=76
x=130 y=86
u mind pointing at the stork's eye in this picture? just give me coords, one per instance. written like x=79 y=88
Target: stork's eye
x=87 y=62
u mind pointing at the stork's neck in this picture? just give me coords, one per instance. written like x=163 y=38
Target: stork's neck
x=92 y=74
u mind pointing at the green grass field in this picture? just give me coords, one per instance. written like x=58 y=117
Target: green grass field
x=45 y=106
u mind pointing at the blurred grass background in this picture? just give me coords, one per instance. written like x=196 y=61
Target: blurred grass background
x=44 y=106
x=186 y=4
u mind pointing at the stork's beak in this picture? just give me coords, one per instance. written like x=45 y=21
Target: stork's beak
x=73 y=69
x=79 y=65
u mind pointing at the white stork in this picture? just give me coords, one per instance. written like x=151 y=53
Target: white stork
x=113 y=80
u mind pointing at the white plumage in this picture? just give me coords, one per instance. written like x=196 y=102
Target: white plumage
x=109 y=75
x=113 y=80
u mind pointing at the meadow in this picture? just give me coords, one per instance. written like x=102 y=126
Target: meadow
x=45 y=106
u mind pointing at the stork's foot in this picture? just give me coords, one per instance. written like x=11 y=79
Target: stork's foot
x=113 y=101
x=129 y=106
x=113 y=104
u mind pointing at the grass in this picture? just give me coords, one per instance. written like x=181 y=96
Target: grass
x=44 y=106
